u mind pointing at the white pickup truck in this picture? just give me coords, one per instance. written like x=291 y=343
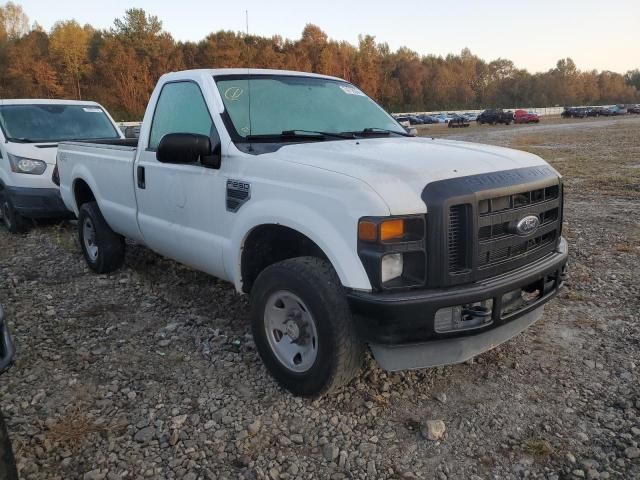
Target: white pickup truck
x=346 y=231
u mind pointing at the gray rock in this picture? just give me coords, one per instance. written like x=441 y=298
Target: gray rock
x=144 y=435
x=330 y=452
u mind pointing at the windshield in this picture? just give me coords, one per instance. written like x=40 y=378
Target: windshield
x=281 y=103
x=54 y=123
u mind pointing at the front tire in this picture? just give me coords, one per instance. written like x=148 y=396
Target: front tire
x=103 y=249
x=303 y=328
x=13 y=221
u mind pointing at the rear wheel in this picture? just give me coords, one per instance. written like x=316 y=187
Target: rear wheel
x=302 y=326
x=12 y=220
x=103 y=249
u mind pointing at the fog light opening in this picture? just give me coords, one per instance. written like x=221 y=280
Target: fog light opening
x=392 y=267
x=464 y=317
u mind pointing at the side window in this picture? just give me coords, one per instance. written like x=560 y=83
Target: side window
x=180 y=109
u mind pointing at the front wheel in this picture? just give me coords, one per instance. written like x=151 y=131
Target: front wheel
x=103 y=249
x=13 y=221
x=303 y=328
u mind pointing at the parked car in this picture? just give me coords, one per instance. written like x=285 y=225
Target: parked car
x=408 y=120
x=323 y=227
x=493 y=116
x=634 y=109
x=403 y=120
x=618 y=110
x=458 y=122
x=441 y=118
x=470 y=117
x=29 y=134
x=132 y=131
x=427 y=119
x=522 y=116
x=593 y=111
x=574 y=112
x=7 y=461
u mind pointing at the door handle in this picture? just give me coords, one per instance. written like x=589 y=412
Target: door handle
x=141 y=178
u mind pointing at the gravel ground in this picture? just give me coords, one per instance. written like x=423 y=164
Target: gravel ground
x=152 y=372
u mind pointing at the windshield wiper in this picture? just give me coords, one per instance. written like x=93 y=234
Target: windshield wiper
x=21 y=140
x=380 y=131
x=305 y=134
x=297 y=133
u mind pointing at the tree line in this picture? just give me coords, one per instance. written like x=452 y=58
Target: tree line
x=119 y=67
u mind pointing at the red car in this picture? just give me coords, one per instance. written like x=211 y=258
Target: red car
x=522 y=116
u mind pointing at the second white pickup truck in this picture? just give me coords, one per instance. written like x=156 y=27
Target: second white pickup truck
x=346 y=231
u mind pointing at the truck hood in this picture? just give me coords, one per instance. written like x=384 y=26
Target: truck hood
x=37 y=151
x=399 y=168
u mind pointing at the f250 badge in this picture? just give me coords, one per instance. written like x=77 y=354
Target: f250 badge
x=527 y=225
x=238 y=193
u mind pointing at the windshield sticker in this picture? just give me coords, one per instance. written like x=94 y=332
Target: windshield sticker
x=233 y=93
x=351 y=90
x=92 y=110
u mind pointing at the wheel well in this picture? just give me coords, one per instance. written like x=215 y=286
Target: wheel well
x=82 y=193
x=268 y=244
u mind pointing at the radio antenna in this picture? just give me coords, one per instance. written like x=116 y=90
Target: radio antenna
x=246 y=15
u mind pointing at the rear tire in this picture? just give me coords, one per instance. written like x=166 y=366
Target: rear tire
x=103 y=249
x=304 y=296
x=13 y=221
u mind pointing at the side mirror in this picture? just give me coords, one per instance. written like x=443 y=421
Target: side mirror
x=189 y=148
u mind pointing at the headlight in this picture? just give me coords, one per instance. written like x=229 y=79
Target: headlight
x=27 y=165
x=393 y=250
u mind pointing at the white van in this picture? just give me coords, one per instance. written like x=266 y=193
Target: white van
x=29 y=134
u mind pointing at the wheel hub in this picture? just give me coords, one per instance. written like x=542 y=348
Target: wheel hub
x=89 y=236
x=291 y=331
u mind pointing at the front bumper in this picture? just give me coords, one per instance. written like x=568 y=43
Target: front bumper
x=37 y=202
x=7 y=350
x=388 y=321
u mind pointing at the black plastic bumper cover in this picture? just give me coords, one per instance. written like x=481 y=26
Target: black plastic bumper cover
x=408 y=317
x=6 y=344
x=37 y=202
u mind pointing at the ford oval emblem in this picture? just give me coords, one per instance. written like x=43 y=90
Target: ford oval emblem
x=527 y=225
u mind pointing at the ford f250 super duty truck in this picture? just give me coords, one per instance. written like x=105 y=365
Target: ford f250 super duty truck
x=346 y=231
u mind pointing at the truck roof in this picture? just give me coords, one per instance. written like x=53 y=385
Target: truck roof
x=244 y=71
x=44 y=101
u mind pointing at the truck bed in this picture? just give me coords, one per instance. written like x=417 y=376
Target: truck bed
x=107 y=167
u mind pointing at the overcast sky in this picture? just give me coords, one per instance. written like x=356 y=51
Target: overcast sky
x=599 y=34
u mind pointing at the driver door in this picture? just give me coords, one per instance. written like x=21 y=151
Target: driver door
x=181 y=206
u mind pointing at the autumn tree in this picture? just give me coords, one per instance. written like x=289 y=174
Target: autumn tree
x=14 y=23
x=69 y=47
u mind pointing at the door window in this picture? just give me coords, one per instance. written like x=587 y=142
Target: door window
x=180 y=109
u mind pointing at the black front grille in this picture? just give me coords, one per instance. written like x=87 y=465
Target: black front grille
x=497 y=240
x=471 y=223
x=457 y=234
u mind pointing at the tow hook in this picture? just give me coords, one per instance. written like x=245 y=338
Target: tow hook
x=476 y=312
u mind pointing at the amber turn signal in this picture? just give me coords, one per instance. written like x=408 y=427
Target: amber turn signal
x=368 y=231
x=391 y=229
